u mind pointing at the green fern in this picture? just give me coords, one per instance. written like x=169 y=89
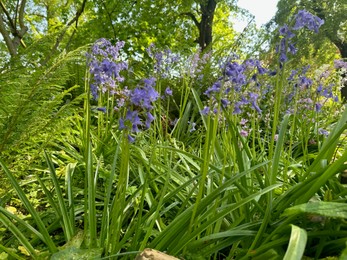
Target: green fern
x=36 y=101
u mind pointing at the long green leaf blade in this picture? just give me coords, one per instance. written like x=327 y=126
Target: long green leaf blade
x=48 y=240
x=297 y=244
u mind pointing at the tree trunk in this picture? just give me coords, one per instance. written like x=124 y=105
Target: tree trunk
x=343 y=51
x=205 y=26
x=13 y=35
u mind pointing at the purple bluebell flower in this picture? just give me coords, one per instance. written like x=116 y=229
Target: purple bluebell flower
x=253 y=99
x=192 y=129
x=340 y=64
x=131 y=139
x=318 y=107
x=327 y=93
x=235 y=72
x=292 y=48
x=244 y=133
x=164 y=60
x=215 y=88
x=305 y=82
x=102 y=109
x=322 y=131
x=272 y=73
x=225 y=102
x=283 y=57
x=149 y=120
x=105 y=66
x=261 y=70
x=284 y=31
x=319 y=88
x=121 y=124
x=306 y=19
x=168 y=91
x=292 y=74
x=144 y=96
x=237 y=109
x=134 y=119
x=243 y=121
x=205 y=111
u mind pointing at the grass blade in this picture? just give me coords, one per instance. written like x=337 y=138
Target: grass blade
x=47 y=239
x=297 y=244
x=61 y=203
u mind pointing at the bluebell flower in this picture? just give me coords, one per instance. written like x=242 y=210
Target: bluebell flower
x=225 y=102
x=322 y=131
x=318 y=107
x=284 y=31
x=105 y=67
x=102 y=109
x=144 y=96
x=283 y=57
x=319 y=88
x=340 y=64
x=306 y=19
x=292 y=48
x=235 y=72
x=305 y=82
x=192 y=129
x=149 y=120
x=131 y=139
x=253 y=99
x=215 y=88
x=237 y=109
x=292 y=74
x=205 y=111
x=121 y=124
x=244 y=133
x=134 y=119
x=168 y=92
x=261 y=70
x=272 y=73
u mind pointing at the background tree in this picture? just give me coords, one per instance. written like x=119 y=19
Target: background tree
x=12 y=26
x=333 y=12
x=330 y=42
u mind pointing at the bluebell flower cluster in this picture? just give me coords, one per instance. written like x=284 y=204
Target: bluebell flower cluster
x=196 y=64
x=340 y=64
x=306 y=93
x=232 y=88
x=308 y=20
x=140 y=103
x=302 y=19
x=245 y=87
x=165 y=61
x=105 y=67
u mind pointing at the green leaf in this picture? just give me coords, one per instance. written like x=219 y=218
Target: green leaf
x=327 y=209
x=344 y=253
x=67 y=222
x=297 y=244
x=271 y=254
x=73 y=253
x=42 y=228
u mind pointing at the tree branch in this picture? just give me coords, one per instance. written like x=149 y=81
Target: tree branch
x=8 y=16
x=62 y=34
x=5 y=34
x=192 y=16
x=21 y=14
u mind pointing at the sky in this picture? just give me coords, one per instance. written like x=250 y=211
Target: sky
x=263 y=10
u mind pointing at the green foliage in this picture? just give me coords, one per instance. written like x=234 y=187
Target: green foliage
x=35 y=102
x=215 y=192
